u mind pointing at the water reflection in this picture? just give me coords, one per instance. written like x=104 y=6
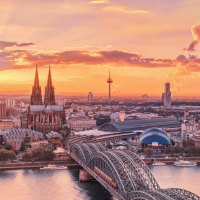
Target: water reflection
x=64 y=184
x=7 y=175
x=48 y=185
x=182 y=177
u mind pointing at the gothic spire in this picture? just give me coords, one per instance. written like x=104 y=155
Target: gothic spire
x=36 y=83
x=49 y=98
x=36 y=96
x=49 y=81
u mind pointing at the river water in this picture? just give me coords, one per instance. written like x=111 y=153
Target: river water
x=64 y=184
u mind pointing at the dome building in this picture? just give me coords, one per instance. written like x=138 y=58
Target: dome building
x=154 y=138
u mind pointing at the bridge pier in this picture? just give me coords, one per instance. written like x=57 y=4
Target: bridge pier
x=85 y=176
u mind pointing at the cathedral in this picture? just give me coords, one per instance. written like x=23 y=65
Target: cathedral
x=44 y=116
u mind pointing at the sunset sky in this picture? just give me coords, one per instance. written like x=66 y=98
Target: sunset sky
x=144 y=44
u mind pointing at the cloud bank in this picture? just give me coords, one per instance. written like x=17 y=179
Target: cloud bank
x=20 y=58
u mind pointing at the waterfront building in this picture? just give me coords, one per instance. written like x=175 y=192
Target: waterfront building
x=16 y=136
x=196 y=138
x=166 y=96
x=188 y=128
x=47 y=116
x=155 y=138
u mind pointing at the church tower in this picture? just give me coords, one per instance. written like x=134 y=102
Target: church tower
x=49 y=97
x=36 y=96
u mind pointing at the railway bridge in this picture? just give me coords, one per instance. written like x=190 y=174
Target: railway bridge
x=123 y=174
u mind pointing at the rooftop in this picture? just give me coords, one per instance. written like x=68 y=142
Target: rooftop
x=39 y=108
x=141 y=124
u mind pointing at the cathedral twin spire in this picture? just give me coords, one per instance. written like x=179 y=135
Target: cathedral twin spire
x=49 y=97
x=36 y=96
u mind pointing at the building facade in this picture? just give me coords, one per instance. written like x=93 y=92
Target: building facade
x=166 y=96
x=90 y=97
x=3 y=111
x=47 y=116
x=81 y=123
x=15 y=137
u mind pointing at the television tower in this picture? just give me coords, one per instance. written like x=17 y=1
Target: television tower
x=109 y=81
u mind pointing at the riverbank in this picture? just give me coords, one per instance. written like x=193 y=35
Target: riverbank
x=36 y=165
x=171 y=160
x=71 y=164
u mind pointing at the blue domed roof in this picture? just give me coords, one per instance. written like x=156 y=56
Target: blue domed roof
x=154 y=135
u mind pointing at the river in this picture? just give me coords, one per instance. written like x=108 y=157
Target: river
x=64 y=184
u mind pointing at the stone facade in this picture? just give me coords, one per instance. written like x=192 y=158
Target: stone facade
x=47 y=116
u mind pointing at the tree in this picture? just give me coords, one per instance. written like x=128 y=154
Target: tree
x=188 y=143
x=43 y=153
x=40 y=154
x=27 y=156
x=178 y=149
x=8 y=147
x=148 y=152
x=193 y=151
x=7 y=155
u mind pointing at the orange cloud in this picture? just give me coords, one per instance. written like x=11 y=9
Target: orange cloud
x=27 y=58
x=196 y=36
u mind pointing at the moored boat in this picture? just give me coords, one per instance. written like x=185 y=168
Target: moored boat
x=54 y=167
x=158 y=163
x=184 y=163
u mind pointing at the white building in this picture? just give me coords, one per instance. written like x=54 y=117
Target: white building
x=188 y=128
x=60 y=101
x=118 y=116
x=81 y=123
x=10 y=103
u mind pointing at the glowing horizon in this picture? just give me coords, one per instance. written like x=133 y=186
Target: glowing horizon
x=143 y=44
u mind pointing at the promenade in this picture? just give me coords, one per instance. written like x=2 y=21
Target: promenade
x=71 y=164
x=171 y=160
x=36 y=165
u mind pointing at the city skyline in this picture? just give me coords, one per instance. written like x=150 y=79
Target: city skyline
x=155 y=43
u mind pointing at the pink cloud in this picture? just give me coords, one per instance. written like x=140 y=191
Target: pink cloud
x=196 y=36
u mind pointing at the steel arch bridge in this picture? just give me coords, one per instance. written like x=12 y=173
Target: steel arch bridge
x=124 y=174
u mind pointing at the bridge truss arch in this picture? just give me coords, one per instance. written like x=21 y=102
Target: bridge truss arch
x=121 y=168
x=125 y=173
x=83 y=151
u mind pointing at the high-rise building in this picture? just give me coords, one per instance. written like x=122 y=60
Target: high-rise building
x=109 y=81
x=47 y=116
x=10 y=103
x=2 y=110
x=90 y=97
x=167 y=96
